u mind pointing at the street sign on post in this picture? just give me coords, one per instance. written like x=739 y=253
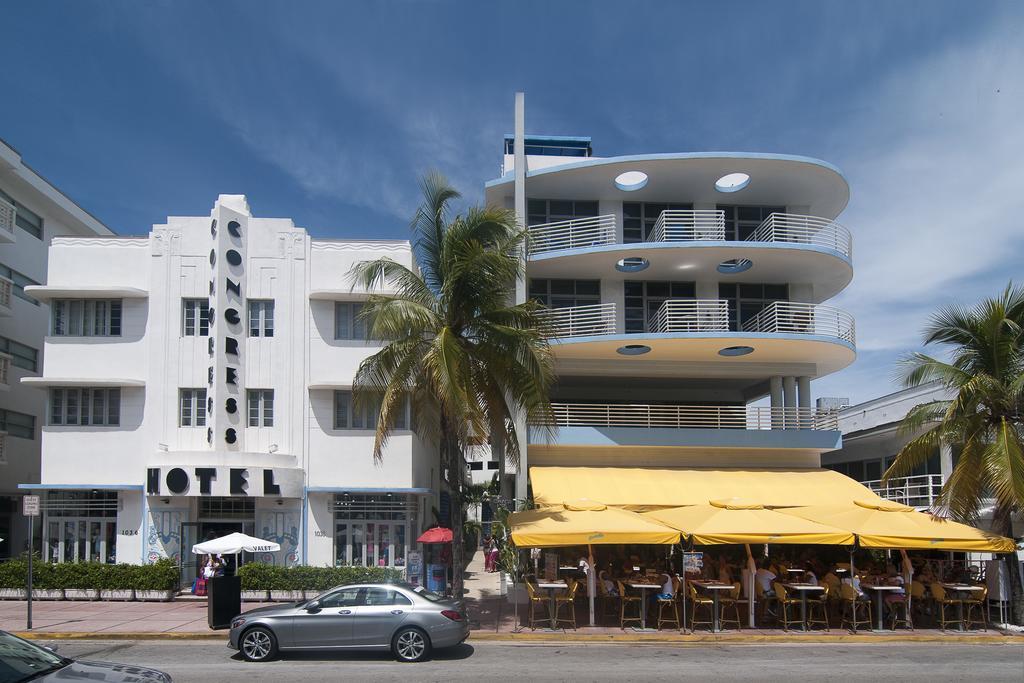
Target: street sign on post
x=30 y=509
x=30 y=506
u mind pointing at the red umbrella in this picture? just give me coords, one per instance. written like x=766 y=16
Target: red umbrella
x=436 y=534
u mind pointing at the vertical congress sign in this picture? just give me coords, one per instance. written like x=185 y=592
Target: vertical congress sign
x=225 y=393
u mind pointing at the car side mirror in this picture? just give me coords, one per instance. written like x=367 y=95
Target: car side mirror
x=51 y=648
x=313 y=606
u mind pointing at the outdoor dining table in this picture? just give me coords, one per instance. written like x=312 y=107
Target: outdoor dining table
x=643 y=600
x=551 y=587
x=878 y=591
x=714 y=587
x=962 y=591
x=803 y=589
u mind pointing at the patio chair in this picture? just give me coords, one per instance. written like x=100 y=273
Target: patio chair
x=942 y=601
x=979 y=601
x=731 y=600
x=535 y=601
x=821 y=604
x=698 y=600
x=608 y=603
x=625 y=599
x=785 y=602
x=852 y=605
x=673 y=609
x=567 y=598
x=919 y=599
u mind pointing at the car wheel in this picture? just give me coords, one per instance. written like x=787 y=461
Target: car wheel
x=410 y=645
x=258 y=644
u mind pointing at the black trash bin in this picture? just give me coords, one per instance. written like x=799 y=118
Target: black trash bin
x=224 y=600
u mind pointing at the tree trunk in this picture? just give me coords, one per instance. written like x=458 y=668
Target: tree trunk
x=456 y=461
x=1002 y=523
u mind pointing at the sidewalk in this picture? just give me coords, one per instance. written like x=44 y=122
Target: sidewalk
x=490 y=615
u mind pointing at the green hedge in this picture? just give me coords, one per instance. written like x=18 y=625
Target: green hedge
x=161 y=576
x=257 y=577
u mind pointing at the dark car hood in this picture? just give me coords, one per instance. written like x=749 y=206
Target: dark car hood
x=107 y=671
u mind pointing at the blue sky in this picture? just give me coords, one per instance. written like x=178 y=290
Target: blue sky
x=329 y=112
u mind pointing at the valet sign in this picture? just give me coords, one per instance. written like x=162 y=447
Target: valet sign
x=278 y=482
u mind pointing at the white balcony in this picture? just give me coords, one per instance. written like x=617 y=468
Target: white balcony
x=6 y=292
x=580 y=321
x=8 y=215
x=790 y=317
x=790 y=228
x=919 y=492
x=690 y=417
x=677 y=225
x=692 y=315
x=572 y=234
x=5 y=371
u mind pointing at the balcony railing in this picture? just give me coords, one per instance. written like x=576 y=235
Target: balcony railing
x=676 y=225
x=794 y=229
x=790 y=317
x=6 y=290
x=690 y=417
x=8 y=214
x=5 y=369
x=572 y=234
x=920 y=491
x=692 y=315
x=580 y=321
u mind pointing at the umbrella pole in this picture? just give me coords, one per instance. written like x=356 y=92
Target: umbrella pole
x=682 y=585
x=591 y=583
x=751 y=568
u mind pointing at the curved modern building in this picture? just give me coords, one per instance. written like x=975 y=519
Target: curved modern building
x=684 y=289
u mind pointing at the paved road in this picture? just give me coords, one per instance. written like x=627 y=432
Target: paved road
x=205 y=661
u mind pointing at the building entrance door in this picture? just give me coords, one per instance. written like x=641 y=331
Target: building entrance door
x=188 y=563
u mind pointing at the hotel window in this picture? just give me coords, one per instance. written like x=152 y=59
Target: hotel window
x=638 y=219
x=86 y=317
x=24 y=218
x=348 y=323
x=742 y=221
x=193 y=407
x=18 y=283
x=372 y=530
x=747 y=300
x=17 y=424
x=261 y=407
x=348 y=416
x=261 y=317
x=195 y=317
x=643 y=299
x=88 y=406
x=541 y=211
x=566 y=293
x=22 y=355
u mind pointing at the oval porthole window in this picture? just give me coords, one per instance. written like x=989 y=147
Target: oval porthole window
x=632 y=264
x=736 y=350
x=734 y=182
x=736 y=265
x=631 y=181
x=634 y=349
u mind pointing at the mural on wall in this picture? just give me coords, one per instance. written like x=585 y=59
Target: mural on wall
x=282 y=527
x=164 y=537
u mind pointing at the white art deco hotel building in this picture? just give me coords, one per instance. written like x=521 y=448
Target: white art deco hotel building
x=198 y=382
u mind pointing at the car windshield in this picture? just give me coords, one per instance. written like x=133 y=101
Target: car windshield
x=20 y=660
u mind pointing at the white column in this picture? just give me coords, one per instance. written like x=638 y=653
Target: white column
x=776 y=393
x=789 y=399
x=803 y=393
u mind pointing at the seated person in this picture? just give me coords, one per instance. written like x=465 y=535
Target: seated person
x=809 y=577
x=764 y=577
x=666 y=590
x=610 y=587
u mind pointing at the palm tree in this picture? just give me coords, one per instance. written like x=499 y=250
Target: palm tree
x=467 y=358
x=985 y=417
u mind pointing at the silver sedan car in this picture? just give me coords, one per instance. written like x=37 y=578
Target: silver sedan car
x=408 y=620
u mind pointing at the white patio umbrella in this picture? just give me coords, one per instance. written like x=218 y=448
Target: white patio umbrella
x=235 y=543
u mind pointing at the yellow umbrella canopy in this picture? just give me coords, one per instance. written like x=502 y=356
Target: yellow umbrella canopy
x=885 y=524
x=736 y=521
x=585 y=522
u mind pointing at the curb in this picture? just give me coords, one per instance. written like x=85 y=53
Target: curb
x=633 y=638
